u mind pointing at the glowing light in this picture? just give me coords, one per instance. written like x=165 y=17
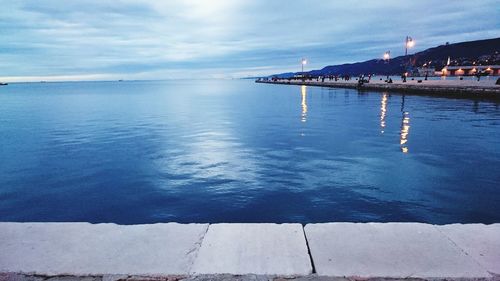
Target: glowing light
x=410 y=43
x=302 y=63
x=444 y=71
x=383 y=112
x=405 y=130
x=303 y=91
x=387 y=55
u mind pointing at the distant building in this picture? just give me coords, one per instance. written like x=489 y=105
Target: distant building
x=465 y=70
x=425 y=70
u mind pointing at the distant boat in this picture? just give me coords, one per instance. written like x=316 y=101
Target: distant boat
x=3 y=84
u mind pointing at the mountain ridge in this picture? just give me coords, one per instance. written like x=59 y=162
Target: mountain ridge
x=462 y=53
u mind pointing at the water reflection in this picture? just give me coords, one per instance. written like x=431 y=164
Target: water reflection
x=405 y=127
x=233 y=155
x=303 y=90
x=383 y=112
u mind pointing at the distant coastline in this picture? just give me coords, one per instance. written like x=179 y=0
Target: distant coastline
x=471 y=53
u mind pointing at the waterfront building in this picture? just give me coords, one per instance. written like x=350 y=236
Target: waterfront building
x=464 y=70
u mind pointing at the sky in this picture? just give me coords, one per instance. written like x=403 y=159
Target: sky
x=56 y=40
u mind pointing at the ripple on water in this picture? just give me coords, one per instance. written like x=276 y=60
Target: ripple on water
x=236 y=151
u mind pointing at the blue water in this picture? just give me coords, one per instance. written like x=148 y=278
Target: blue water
x=236 y=151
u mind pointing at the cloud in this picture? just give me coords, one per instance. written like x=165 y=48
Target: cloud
x=184 y=39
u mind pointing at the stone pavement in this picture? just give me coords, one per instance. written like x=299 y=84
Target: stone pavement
x=452 y=88
x=171 y=251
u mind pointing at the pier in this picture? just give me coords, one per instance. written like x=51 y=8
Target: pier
x=485 y=88
x=323 y=251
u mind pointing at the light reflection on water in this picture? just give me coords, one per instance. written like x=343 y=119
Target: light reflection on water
x=236 y=151
x=303 y=90
x=383 y=111
x=405 y=129
x=405 y=126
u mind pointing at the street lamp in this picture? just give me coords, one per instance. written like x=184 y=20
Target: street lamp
x=409 y=43
x=387 y=55
x=302 y=63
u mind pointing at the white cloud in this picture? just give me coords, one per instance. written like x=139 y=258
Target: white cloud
x=179 y=38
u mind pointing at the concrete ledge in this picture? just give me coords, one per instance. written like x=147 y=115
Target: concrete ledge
x=86 y=249
x=481 y=242
x=278 y=249
x=397 y=250
x=62 y=251
x=457 y=91
x=210 y=277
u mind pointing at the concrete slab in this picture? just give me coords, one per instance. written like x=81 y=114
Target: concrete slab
x=83 y=248
x=396 y=250
x=481 y=242
x=276 y=249
x=213 y=277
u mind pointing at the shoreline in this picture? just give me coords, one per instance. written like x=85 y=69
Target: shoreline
x=173 y=251
x=458 y=89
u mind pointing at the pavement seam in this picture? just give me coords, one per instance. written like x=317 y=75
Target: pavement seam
x=309 y=250
x=196 y=249
x=436 y=227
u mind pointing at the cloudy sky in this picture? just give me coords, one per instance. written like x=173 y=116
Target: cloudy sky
x=152 y=39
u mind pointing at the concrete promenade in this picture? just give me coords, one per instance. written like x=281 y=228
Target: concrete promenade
x=172 y=251
x=484 y=88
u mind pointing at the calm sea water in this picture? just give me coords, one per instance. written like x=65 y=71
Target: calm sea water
x=236 y=151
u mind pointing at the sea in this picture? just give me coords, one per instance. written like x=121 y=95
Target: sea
x=189 y=151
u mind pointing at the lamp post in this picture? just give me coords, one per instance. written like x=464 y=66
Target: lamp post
x=302 y=63
x=387 y=57
x=409 y=43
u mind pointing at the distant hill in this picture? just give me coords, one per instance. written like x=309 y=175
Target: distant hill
x=464 y=53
